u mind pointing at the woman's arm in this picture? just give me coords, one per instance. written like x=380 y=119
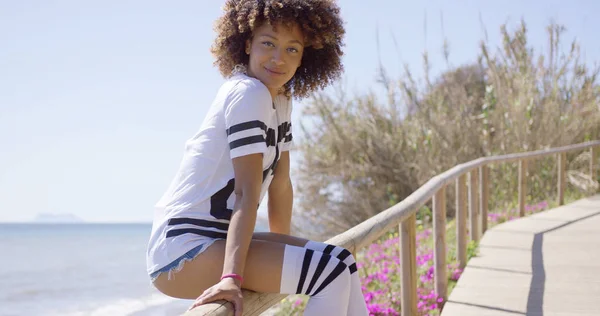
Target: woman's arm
x=248 y=181
x=281 y=195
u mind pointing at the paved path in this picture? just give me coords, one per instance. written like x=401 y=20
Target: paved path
x=547 y=264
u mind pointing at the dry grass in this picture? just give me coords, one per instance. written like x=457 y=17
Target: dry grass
x=362 y=156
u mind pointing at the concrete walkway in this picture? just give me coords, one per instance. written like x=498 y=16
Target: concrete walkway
x=547 y=264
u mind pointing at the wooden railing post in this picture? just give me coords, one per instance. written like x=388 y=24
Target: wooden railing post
x=473 y=206
x=594 y=157
x=484 y=193
x=439 y=239
x=408 y=266
x=562 y=165
x=522 y=186
x=461 y=220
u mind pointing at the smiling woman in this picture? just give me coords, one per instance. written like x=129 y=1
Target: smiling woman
x=316 y=25
x=274 y=56
x=202 y=244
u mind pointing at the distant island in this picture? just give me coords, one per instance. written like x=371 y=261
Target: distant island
x=57 y=218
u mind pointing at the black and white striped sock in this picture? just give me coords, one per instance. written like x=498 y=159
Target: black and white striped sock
x=357 y=305
x=323 y=277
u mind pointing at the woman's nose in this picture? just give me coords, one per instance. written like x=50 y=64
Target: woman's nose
x=277 y=58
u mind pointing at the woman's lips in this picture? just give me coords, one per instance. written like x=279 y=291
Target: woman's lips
x=273 y=72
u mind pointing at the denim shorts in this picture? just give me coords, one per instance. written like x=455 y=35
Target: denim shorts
x=177 y=264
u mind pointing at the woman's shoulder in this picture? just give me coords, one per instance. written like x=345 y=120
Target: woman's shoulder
x=244 y=85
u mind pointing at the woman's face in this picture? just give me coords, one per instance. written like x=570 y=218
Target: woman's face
x=275 y=55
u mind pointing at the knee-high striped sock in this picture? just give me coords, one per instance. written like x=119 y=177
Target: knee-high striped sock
x=325 y=278
x=357 y=305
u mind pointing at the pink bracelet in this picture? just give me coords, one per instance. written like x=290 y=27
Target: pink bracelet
x=235 y=276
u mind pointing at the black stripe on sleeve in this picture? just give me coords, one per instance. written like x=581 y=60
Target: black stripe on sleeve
x=334 y=274
x=322 y=263
x=246 y=126
x=198 y=222
x=246 y=141
x=328 y=249
x=288 y=138
x=202 y=232
x=352 y=268
x=305 y=264
x=344 y=254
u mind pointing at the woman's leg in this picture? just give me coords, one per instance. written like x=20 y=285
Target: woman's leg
x=357 y=305
x=271 y=267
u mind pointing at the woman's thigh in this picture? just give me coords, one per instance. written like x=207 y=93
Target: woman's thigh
x=262 y=271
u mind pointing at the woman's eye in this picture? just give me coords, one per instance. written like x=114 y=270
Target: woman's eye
x=292 y=50
x=268 y=44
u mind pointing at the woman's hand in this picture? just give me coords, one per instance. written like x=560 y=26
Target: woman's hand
x=228 y=290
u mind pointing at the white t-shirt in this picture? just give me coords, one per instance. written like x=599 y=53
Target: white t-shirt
x=243 y=119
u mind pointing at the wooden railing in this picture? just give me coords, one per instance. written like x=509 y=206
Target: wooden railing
x=404 y=215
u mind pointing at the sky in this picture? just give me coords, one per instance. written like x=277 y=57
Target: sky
x=97 y=98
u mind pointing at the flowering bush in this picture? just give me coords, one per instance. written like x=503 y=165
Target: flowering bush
x=379 y=270
x=497 y=218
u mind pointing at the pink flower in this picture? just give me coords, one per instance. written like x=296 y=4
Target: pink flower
x=368 y=297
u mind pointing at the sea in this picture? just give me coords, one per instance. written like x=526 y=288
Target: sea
x=79 y=270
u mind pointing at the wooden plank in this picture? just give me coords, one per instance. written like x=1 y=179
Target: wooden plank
x=544 y=264
x=439 y=251
x=473 y=206
x=408 y=266
x=562 y=165
x=461 y=220
x=484 y=193
x=522 y=186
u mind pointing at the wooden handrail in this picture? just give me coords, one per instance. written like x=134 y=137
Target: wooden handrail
x=373 y=228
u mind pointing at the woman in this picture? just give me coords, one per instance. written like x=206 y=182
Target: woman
x=202 y=244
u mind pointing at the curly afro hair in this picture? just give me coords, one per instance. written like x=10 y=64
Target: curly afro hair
x=321 y=26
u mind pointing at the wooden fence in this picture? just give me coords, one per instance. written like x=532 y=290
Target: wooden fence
x=403 y=214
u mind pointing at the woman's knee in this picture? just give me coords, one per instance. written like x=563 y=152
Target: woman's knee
x=323 y=272
x=340 y=253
